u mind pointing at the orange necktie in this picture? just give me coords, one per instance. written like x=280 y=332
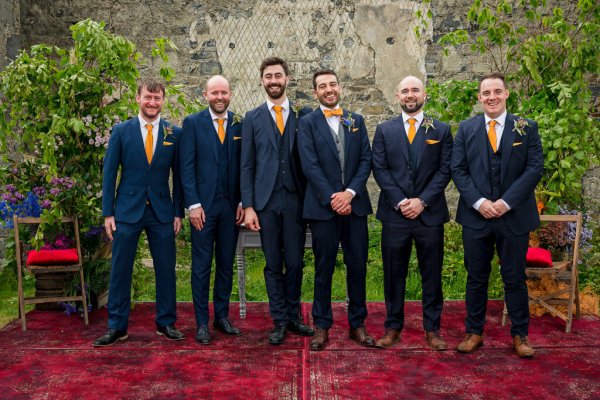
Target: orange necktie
x=492 y=134
x=331 y=113
x=412 y=130
x=149 y=143
x=221 y=130
x=279 y=118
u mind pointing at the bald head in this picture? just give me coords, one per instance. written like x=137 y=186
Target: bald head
x=218 y=94
x=411 y=95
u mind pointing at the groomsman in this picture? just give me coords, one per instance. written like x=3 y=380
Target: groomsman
x=273 y=187
x=144 y=150
x=411 y=164
x=497 y=161
x=210 y=164
x=336 y=160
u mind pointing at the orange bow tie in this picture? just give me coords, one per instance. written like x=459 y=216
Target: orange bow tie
x=330 y=113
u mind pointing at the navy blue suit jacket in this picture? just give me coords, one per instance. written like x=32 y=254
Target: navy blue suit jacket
x=521 y=169
x=392 y=173
x=141 y=182
x=260 y=159
x=321 y=164
x=199 y=159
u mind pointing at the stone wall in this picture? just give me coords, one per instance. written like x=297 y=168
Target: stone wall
x=10 y=39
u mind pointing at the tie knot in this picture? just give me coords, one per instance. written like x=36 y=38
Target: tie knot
x=278 y=109
x=220 y=121
x=148 y=126
x=493 y=123
x=333 y=113
x=411 y=121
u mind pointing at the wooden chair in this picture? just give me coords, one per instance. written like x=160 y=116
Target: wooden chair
x=41 y=269
x=565 y=272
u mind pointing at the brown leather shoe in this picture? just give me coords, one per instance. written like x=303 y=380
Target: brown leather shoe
x=389 y=338
x=360 y=336
x=435 y=341
x=522 y=347
x=319 y=340
x=470 y=343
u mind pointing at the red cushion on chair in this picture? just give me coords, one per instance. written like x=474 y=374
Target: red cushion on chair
x=538 y=258
x=49 y=257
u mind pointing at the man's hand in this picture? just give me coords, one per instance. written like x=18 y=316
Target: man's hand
x=110 y=226
x=340 y=202
x=411 y=208
x=197 y=218
x=239 y=215
x=251 y=219
x=177 y=225
x=488 y=210
x=500 y=207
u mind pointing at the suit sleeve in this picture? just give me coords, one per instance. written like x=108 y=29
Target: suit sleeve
x=112 y=160
x=459 y=167
x=359 y=180
x=310 y=161
x=526 y=183
x=438 y=182
x=177 y=189
x=247 y=163
x=187 y=163
x=381 y=170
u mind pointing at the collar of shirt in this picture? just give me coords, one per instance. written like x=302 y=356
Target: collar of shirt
x=333 y=121
x=155 y=128
x=285 y=111
x=215 y=117
x=419 y=117
x=500 y=121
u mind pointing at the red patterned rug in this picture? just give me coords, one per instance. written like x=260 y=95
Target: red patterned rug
x=54 y=359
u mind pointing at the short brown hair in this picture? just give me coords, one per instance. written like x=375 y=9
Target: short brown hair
x=151 y=85
x=493 y=75
x=267 y=62
x=323 y=72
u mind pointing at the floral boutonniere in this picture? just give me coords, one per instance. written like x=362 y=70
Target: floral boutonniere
x=296 y=108
x=520 y=125
x=348 y=122
x=167 y=131
x=237 y=119
x=427 y=123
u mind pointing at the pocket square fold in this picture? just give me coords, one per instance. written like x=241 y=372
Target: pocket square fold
x=431 y=141
x=354 y=129
x=237 y=137
x=167 y=144
x=517 y=144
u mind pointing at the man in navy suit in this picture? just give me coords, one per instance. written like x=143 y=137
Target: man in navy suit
x=411 y=164
x=272 y=187
x=144 y=148
x=210 y=164
x=336 y=160
x=497 y=161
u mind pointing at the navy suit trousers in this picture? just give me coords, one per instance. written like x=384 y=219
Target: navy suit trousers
x=161 y=241
x=219 y=233
x=479 y=251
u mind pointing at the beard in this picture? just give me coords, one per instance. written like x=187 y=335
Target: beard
x=218 y=108
x=412 y=108
x=275 y=90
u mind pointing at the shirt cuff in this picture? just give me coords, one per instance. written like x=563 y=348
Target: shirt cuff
x=194 y=206
x=478 y=203
x=506 y=204
x=351 y=191
x=401 y=202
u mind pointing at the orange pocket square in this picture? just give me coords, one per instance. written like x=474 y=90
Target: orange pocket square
x=354 y=129
x=167 y=144
x=517 y=144
x=237 y=137
x=431 y=141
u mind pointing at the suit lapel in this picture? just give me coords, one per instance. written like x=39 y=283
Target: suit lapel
x=267 y=123
x=229 y=135
x=159 y=141
x=421 y=136
x=508 y=138
x=138 y=140
x=208 y=129
x=402 y=141
x=291 y=125
x=483 y=144
x=325 y=130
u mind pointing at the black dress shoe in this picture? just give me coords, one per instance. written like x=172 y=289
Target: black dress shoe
x=300 y=328
x=225 y=326
x=202 y=335
x=109 y=338
x=170 y=332
x=277 y=334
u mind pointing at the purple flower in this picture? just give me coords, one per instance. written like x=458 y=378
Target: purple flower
x=39 y=191
x=11 y=188
x=46 y=204
x=54 y=191
x=6 y=197
x=19 y=196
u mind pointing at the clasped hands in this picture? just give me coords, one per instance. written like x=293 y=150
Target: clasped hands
x=340 y=202
x=491 y=210
x=411 y=208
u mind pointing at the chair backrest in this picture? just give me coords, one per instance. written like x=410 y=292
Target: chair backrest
x=578 y=220
x=36 y=221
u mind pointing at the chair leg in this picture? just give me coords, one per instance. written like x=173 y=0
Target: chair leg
x=21 y=299
x=570 y=308
x=577 y=301
x=504 y=314
x=83 y=296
